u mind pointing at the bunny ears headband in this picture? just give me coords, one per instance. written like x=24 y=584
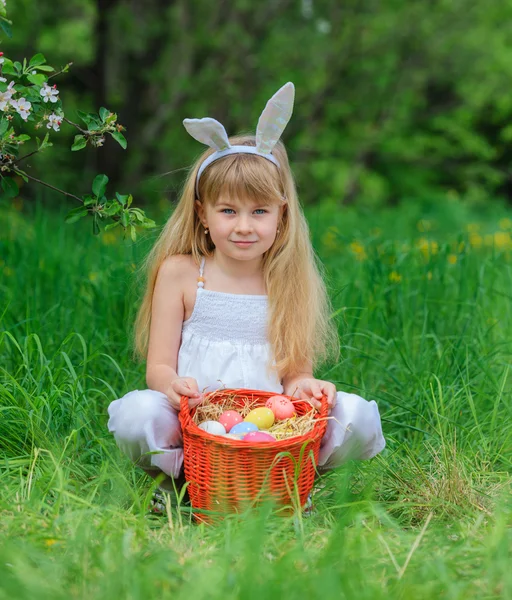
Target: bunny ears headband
x=271 y=124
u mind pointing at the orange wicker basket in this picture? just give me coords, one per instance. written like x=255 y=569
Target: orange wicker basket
x=227 y=475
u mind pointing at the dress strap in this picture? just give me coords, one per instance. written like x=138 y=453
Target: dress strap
x=200 y=279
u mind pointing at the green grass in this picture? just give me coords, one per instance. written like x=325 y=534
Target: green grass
x=425 y=317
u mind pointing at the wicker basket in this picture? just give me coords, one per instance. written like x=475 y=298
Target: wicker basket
x=227 y=475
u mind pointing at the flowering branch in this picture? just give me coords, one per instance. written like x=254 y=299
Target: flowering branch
x=28 y=98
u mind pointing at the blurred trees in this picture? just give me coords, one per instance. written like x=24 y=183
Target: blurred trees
x=394 y=99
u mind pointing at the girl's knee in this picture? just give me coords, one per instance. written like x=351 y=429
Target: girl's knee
x=131 y=414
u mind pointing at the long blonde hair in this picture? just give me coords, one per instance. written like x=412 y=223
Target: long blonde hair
x=300 y=328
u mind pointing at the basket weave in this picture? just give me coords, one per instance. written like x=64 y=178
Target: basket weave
x=227 y=475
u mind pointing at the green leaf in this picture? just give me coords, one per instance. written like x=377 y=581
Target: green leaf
x=23 y=137
x=4 y=124
x=37 y=79
x=79 y=143
x=133 y=233
x=10 y=187
x=88 y=199
x=8 y=68
x=122 y=198
x=17 y=66
x=46 y=68
x=112 y=209
x=125 y=218
x=36 y=60
x=104 y=113
x=76 y=214
x=95 y=225
x=120 y=139
x=111 y=225
x=6 y=27
x=99 y=185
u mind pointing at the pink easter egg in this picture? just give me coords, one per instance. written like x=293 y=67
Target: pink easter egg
x=281 y=407
x=230 y=418
x=259 y=436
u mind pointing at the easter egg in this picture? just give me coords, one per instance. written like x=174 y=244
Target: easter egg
x=262 y=417
x=259 y=436
x=213 y=427
x=230 y=418
x=243 y=427
x=281 y=407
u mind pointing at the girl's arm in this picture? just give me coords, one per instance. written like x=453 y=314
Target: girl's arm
x=303 y=385
x=167 y=314
x=290 y=382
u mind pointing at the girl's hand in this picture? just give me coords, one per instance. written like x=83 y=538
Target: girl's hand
x=183 y=386
x=313 y=390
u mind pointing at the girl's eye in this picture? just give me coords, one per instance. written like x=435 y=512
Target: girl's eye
x=258 y=210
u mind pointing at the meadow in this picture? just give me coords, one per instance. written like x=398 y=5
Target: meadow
x=423 y=297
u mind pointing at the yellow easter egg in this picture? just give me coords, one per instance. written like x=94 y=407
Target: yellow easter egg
x=262 y=417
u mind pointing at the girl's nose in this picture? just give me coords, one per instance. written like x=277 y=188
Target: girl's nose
x=243 y=224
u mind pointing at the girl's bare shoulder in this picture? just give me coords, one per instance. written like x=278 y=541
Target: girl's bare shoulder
x=180 y=270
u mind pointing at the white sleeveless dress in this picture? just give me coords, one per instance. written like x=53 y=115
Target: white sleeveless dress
x=224 y=344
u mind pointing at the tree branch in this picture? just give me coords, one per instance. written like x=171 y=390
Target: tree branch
x=54 y=188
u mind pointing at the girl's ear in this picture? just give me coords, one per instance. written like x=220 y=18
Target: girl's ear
x=200 y=211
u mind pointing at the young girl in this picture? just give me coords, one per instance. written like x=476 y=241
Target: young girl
x=235 y=299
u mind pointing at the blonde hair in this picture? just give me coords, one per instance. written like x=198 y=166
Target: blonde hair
x=291 y=270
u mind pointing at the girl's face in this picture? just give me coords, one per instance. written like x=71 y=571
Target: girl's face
x=242 y=230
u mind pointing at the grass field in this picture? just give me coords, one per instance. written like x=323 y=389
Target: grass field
x=424 y=302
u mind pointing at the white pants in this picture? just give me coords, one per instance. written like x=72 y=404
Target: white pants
x=144 y=422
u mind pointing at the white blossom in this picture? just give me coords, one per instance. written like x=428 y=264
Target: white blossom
x=5 y=97
x=100 y=141
x=49 y=93
x=22 y=107
x=54 y=121
x=3 y=79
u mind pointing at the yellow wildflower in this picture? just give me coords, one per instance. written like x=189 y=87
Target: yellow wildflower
x=452 y=259
x=475 y=240
x=427 y=247
x=49 y=542
x=358 y=249
x=395 y=277
x=502 y=240
x=93 y=276
x=330 y=239
x=429 y=275
x=505 y=223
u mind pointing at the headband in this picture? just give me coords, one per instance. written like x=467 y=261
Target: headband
x=271 y=124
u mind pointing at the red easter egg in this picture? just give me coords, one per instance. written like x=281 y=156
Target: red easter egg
x=259 y=436
x=230 y=418
x=281 y=407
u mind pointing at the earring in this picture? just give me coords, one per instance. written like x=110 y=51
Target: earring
x=206 y=231
x=278 y=230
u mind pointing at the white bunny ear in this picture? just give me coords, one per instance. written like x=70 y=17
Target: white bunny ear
x=274 y=118
x=208 y=131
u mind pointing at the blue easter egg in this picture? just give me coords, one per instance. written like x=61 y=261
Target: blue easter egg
x=244 y=427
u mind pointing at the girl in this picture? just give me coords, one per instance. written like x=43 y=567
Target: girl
x=235 y=298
